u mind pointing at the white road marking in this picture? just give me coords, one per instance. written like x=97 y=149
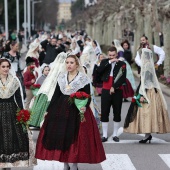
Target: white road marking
x=117 y=162
x=48 y=165
x=165 y=158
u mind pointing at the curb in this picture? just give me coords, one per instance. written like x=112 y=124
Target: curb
x=165 y=89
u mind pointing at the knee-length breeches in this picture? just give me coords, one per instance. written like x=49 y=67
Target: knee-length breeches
x=114 y=100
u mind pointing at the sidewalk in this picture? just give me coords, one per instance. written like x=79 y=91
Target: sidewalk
x=165 y=89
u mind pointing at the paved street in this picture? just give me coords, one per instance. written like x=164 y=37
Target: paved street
x=128 y=154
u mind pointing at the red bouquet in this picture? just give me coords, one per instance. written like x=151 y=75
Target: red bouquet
x=80 y=99
x=23 y=117
x=35 y=88
x=79 y=95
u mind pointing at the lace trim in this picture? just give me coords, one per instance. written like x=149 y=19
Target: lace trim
x=10 y=88
x=14 y=157
x=79 y=82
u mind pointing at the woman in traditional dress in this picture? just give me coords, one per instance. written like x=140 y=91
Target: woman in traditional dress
x=16 y=145
x=33 y=51
x=97 y=48
x=45 y=70
x=46 y=91
x=130 y=86
x=75 y=49
x=63 y=137
x=97 y=82
x=127 y=52
x=88 y=58
x=148 y=112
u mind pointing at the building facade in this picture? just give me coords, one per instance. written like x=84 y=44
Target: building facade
x=64 y=11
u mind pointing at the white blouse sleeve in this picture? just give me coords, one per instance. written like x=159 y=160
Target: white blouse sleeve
x=137 y=59
x=160 y=52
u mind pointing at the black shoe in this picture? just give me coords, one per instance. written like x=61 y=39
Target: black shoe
x=116 y=139
x=104 y=139
x=125 y=100
x=145 y=140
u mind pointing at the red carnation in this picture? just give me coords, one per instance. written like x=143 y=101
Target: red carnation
x=23 y=117
x=86 y=95
x=32 y=67
x=72 y=95
x=124 y=66
x=133 y=100
x=79 y=95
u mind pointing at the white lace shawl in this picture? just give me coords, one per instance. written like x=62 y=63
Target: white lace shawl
x=79 y=82
x=148 y=76
x=11 y=85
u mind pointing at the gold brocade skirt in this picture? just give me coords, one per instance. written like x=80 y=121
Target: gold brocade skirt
x=152 y=117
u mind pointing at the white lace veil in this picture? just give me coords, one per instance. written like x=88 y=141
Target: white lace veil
x=98 y=46
x=117 y=45
x=50 y=82
x=148 y=76
x=88 y=58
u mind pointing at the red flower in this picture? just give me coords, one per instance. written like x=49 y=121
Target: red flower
x=79 y=95
x=133 y=100
x=124 y=66
x=35 y=86
x=32 y=67
x=72 y=95
x=23 y=116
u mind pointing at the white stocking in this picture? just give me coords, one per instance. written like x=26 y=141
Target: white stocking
x=115 y=128
x=105 y=128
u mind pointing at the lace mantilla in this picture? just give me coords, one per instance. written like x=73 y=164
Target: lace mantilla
x=148 y=76
x=10 y=87
x=79 y=82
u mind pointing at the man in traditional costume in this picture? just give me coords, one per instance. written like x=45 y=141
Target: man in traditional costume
x=113 y=73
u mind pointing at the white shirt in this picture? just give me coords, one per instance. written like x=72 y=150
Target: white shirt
x=158 y=50
x=113 y=65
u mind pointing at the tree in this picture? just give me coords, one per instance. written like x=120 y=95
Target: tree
x=11 y=13
x=46 y=12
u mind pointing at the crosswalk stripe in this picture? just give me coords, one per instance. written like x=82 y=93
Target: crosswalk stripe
x=117 y=162
x=48 y=165
x=165 y=158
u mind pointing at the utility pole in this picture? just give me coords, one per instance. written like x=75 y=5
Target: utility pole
x=25 y=22
x=6 y=18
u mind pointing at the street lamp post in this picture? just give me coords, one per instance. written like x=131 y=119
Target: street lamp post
x=25 y=22
x=33 y=12
x=17 y=4
x=29 y=17
x=6 y=18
